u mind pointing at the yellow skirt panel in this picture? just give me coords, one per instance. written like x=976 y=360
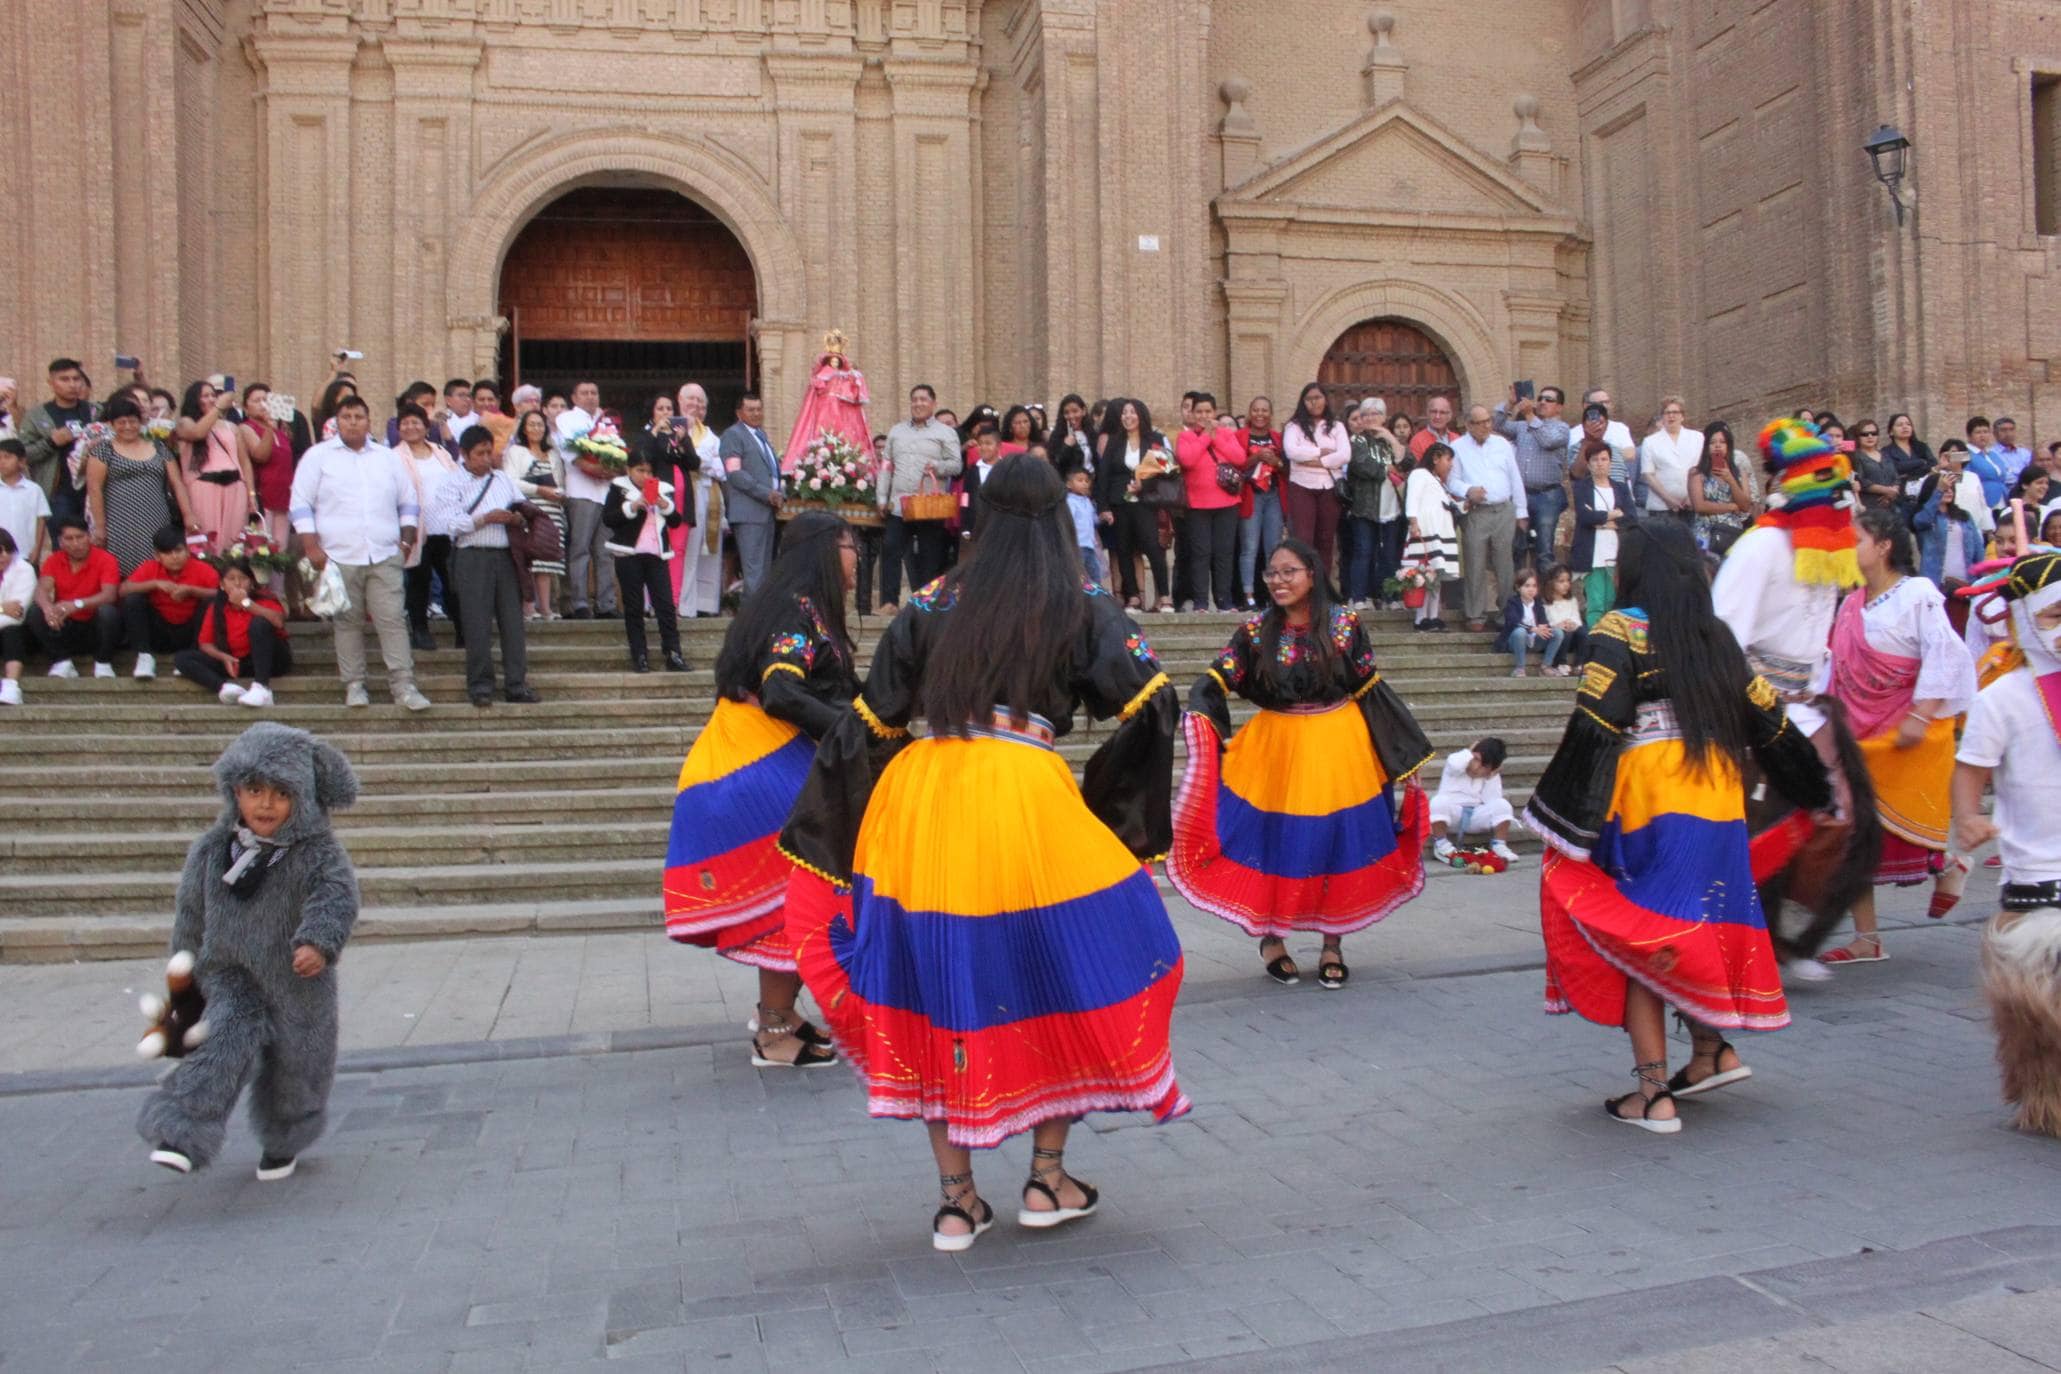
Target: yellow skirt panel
x=1296 y=764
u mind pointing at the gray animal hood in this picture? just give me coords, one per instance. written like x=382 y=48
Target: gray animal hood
x=316 y=775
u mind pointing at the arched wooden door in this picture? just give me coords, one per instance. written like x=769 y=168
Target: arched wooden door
x=1387 y=358
x=636 y=288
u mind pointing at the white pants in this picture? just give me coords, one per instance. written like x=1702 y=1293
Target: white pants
x=1463 y=817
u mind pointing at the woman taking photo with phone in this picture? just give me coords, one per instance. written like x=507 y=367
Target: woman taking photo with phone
x=222 y=490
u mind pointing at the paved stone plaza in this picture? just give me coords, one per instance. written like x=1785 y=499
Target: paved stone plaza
x=1409 y=1174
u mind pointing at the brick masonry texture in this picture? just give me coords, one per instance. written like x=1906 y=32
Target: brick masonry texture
x=1653 y=195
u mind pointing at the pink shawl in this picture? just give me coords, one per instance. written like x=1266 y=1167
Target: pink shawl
x=1875 y=687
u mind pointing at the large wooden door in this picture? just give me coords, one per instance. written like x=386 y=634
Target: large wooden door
x=1390 y=359
x=637 y=288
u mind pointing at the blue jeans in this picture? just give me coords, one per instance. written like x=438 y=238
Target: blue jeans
x=1377 y=550
x=1520 y=642
x=1091 y=563
x=1544 y=505
x=1258 y=533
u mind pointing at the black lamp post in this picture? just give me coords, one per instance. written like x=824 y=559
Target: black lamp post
x=1887 y=149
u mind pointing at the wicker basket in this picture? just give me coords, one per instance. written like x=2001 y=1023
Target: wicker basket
x=929 y=503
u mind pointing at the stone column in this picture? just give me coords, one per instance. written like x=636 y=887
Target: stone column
x=934 y=218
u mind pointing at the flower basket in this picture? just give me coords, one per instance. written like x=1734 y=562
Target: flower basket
x=851 y=512
x=832 y=473
x=1411 y=584
x=253 y=546
x=929 y=501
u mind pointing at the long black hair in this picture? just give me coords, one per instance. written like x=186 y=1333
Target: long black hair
x=1888 y=526
x=1019 y=605
x=1661 y=572
x=810 y=565
x=1307 y=420
x=1323 y=653
x=1707 y=465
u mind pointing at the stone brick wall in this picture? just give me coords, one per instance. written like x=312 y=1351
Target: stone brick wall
x=1018 y=197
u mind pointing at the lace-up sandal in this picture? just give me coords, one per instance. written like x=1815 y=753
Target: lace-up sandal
x=1648 y=1076
x=1048 y=1175
x=1680 y=1086
x=955 y=1189
x=1846 y=955
x=775 y=1027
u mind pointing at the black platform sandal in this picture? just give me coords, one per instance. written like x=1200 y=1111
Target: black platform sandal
x=1045 y=1164
x=777 y=1027
x=1331 y=969
x=950 y=1242
x=1648 y=1075
x=1281 y=969
x=804 y=1031
x=1680 y=1085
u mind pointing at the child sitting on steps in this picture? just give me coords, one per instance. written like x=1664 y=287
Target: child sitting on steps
x=1470 y=800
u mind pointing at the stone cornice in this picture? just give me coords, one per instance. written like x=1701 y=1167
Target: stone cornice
x=1260 y=215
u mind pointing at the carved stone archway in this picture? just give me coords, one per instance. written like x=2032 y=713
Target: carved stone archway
x=527 y=180
x=1447 y=318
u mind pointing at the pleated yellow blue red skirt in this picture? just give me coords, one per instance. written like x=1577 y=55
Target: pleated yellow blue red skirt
x=1295 y=828
x=1001 y=959
x=726 y=880
x=1667 y=897
x=1914 y=798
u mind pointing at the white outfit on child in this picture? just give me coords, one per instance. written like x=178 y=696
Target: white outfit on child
x=1469 y=805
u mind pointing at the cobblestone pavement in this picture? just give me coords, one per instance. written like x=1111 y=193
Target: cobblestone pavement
x=1411 y=1173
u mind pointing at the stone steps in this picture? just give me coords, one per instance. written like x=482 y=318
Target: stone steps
x=519 y=820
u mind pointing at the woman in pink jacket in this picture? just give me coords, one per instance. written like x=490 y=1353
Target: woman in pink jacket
x=1317 y=449
x=1204 y=451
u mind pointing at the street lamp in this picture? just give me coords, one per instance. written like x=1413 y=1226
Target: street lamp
x=1886 y=149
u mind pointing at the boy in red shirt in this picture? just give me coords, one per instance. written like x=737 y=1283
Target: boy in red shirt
x=162 y=599
x=242 y=633
x=75 y=608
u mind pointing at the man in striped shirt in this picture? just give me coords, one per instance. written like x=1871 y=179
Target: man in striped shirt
x=477 y=507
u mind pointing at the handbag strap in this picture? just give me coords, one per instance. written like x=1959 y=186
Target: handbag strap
x=480 y=495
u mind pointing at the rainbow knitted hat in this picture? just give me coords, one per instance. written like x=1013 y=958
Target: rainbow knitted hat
x=1810 y=495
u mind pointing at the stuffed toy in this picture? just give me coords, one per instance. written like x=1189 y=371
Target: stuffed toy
x=177 y=1019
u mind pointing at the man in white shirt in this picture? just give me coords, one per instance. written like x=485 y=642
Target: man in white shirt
x=354 y=504
x=1485 y=476
x=459 y=415
x=24 y=506
x=586 y=492
x=918 y=448
x=1667 y=461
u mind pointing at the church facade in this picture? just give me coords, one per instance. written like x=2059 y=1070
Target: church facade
x=1015 y=198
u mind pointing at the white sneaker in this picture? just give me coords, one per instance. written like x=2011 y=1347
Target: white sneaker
x=146 y=666
x=1503 y=852
x=230 y=694
x=1807 y=971
x=1442 y=850
x=64 y=668
x=10 y=692
x=412 y=698
x=356 y=695
x=103 y=670
x=257 y=694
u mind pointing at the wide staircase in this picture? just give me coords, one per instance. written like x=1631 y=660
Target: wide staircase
x=512 y=820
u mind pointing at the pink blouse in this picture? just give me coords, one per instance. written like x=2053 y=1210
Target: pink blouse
x=1316 y=463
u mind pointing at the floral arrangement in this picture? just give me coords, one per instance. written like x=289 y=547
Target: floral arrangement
x=1418 y=578
x=253 y=546
x=832 y=473
x=160 y=429
x=604 y=444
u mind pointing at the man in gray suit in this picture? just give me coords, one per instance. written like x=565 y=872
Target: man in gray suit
x=751 y=489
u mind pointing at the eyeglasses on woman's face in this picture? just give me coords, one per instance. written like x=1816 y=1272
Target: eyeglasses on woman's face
x=1868 y=434
x=1285 y=574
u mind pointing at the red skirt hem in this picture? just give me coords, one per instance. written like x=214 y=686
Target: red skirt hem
x=1723 y=975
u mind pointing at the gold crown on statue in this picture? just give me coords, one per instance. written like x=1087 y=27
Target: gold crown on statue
x=834 y=342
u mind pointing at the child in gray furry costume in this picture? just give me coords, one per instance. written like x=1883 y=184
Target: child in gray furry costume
x=266 y=901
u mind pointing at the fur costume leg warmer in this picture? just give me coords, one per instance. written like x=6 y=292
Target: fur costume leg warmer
x=2021 y=977
x=289 y=1102
x=189 y=1109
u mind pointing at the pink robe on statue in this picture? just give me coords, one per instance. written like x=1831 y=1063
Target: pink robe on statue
x=836 y=404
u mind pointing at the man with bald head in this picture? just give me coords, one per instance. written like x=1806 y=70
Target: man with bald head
x=698 y=570
x=1487 y=480
x=1437 y=427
